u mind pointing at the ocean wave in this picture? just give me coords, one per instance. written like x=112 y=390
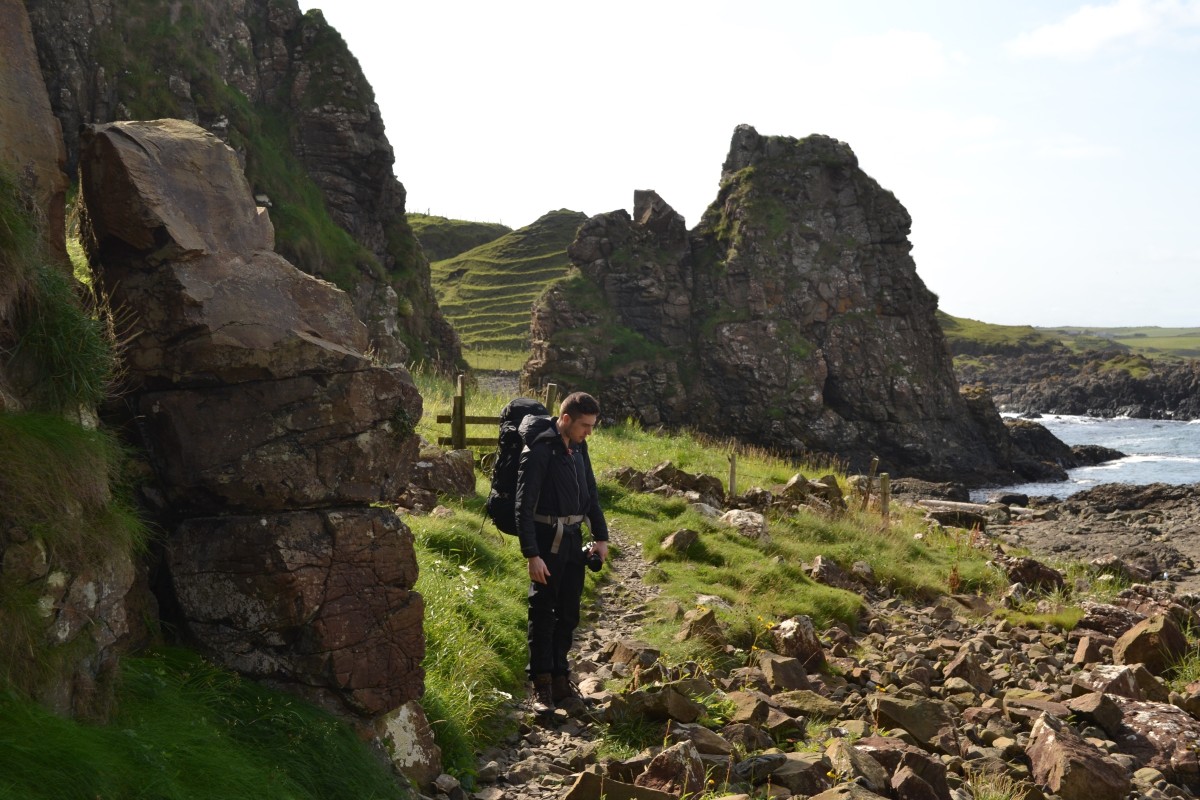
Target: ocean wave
x=1157 y=458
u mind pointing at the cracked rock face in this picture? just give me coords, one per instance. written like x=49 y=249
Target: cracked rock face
x=270 y=430
x=288 y=66
x=792 y=316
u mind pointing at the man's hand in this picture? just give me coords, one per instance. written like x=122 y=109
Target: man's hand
x=602 y=549
x=537 y=570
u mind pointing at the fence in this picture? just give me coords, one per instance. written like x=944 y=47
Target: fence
x=459 y=419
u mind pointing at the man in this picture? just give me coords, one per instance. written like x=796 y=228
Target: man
x=556 y=491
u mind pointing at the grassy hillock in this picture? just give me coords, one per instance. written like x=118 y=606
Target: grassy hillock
x=487 y=293
x=974 y=338
x=473 y=579
x=1150 y=341
x=968 y=337
x=443 y=238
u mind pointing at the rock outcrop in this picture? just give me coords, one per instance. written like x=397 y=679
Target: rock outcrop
x=1093 y=383
x=269 y=429
x=283 y=89
x=791 y=316
x=31 y=142
x=66 y=609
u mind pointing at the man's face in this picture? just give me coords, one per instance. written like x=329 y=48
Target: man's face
x=576 y=429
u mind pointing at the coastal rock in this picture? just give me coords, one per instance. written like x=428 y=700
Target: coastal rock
x=31 y=141
x=1094 y=383
x=677 y=770
x=1157 y=643
x=791 y=316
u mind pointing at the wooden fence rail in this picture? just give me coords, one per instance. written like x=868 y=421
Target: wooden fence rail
x=459 y=419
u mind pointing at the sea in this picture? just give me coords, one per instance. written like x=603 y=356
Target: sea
x=1157 y=451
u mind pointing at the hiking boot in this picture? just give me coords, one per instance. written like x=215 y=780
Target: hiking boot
x=543 y=694
x=568 y=697
x=563 y=688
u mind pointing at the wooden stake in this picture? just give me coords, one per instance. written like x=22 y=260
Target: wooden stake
x=458 y=415
x=870 y=483
x=885 y=495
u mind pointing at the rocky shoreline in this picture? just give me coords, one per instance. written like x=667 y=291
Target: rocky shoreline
x=1153 y=529
x=1095 y=384
x=920 y=701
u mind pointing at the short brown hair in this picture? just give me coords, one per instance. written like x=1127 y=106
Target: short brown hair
x=578 y=404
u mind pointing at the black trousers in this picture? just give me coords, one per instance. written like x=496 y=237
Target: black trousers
x=554 y=607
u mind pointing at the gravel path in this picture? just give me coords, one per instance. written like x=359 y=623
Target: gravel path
x=539 y=761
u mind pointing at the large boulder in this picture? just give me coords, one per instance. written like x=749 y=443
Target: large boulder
x=318 y=602
x=303 y=442
x=271 y=431
x=791 y=316
x=1071 y=767
x=281 y=85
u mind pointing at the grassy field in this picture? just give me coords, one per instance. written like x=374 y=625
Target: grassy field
x=968 y=337
x=487 y=293
x=1152 y=342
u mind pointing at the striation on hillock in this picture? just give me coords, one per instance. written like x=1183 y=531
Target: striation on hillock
x=487 y=291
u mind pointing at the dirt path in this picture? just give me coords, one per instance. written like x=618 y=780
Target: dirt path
x=537 y=762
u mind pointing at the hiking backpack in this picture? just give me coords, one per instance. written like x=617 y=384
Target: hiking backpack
x=502 y=500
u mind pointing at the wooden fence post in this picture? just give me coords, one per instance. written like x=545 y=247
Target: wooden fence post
x=870 y=483
x=458 y=415
x=733 y=474
x=552 y=398
x=885 y=495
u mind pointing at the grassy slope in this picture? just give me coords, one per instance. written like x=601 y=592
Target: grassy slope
x=972 y=337
x=185 y=729
x=487 y=293
x=443 y=238
x=473 y=578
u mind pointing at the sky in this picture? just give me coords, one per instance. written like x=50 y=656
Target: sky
x=1046 y=150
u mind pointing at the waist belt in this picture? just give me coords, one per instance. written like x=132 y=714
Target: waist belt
x=558 y=523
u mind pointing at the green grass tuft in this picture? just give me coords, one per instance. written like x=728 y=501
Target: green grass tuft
x=186 y=730
x=62 y=491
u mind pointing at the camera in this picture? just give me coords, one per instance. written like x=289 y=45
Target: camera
x=592 y=558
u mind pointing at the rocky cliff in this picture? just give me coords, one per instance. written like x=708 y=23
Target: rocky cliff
x=70 y=594
x=281 y=88
x=792 y=317
x=270 y=431
x=1092 y=383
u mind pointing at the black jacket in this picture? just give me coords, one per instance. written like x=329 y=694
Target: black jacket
x=553 y=482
